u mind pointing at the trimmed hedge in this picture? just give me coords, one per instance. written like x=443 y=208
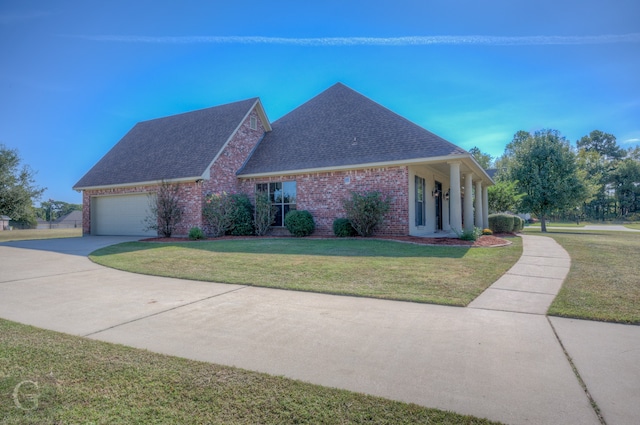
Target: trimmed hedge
x=518 y=224
x=299 y=223
x=502 y=223
x=342 y=228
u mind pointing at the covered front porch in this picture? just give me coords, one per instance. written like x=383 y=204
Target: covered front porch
x=447 y=196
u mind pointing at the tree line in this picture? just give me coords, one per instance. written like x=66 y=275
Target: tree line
x=19 y=192
x=542 y=174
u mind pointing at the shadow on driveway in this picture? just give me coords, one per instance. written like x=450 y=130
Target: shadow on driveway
x=82 y=246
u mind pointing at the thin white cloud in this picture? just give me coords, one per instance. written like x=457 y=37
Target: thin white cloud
x=631 y=141
x=537 y=40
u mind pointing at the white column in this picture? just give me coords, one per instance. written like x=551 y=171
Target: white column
x=468 y=202
x=485 y=208
x=455 y=208
x=479 y=210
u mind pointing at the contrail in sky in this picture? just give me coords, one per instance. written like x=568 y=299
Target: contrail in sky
x=536 y=40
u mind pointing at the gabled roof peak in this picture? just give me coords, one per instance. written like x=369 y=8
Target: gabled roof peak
x=180 y=146
x=341 y=127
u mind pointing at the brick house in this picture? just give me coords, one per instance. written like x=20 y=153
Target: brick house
x=310 y=159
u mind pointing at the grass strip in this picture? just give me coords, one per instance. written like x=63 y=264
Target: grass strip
x=49 y=378
x=359 y=267
x=30 y=234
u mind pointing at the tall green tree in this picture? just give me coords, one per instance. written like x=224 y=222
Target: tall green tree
x=603 y=143
x=504 y=197
x=51 y=210
x=483 y=159
x=626 y=181
x=634 y=153
x=544 y=167
x=18 y=189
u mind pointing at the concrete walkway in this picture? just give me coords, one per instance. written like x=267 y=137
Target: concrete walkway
x=532 y=283
x=502 y=365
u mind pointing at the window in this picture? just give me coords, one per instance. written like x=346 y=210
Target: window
x=253 y=122
x=420 y=204
x=282 y=196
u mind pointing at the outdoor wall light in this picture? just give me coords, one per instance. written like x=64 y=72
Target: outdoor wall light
x=446 y=195
x=435 y=193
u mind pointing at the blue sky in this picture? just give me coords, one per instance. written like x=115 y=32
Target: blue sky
x=77 y=75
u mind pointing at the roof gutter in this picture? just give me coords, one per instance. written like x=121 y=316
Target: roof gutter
x=414 y=161
x=194 y=179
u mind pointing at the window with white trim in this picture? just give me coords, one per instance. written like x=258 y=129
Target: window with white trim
x=420 y=210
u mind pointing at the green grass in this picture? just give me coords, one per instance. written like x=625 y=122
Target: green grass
x=559 y=224
x=361 y=267
x=50 y=378
x=603 y=282
x=633 y=226
x=28 y=234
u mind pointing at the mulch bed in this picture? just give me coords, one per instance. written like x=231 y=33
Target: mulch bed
x=482 y=241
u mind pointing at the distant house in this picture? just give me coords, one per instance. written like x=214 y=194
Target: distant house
x=4 y=222
x=71 y=220
x=310 y=159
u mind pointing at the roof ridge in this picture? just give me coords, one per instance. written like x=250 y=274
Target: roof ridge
x=251 y=100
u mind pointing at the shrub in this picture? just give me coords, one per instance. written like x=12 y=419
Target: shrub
x=165 y=212
x=366 y=211
x=196 y=233
x=487 y=232
x=518 y=224
x=216 y=212
x=470 y=235
x=265 y=213
x=240 y=213
x=633 y=217
x=299 y=223
x=501 y=223
x=342 y=228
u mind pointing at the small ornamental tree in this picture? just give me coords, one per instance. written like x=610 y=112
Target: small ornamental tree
x=265 y=213
x=240 y=215
x=165 y=212
x=366 y=211
x=216 y=213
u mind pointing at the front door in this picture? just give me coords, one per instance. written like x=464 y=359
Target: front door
x=438 y=192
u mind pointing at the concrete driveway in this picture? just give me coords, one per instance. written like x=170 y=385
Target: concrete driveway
x=501 y=365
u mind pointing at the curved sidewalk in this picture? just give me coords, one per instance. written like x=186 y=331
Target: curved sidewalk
x=532 y=283
x=502 y=365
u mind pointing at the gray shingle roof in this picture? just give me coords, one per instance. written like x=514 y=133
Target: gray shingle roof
x=341 y=127
x=174 y=147
x=73 y=216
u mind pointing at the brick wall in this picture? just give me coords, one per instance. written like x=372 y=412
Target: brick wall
x=322 y=195
x=223 y=171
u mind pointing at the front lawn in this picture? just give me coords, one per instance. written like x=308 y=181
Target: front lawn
x=635 y=226
x=361 y=267
x=603 y=283
x=558 y=224
x=52 y=378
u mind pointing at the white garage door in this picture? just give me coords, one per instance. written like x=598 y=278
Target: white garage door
x=120 y=215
